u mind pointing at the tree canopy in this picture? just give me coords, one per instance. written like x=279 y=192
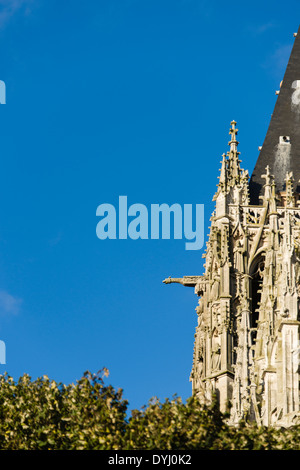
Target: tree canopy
x=42 y=414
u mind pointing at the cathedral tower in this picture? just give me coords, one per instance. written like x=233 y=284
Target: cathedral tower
x=247 y=345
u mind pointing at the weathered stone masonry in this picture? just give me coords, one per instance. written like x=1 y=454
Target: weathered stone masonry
x=247 y=345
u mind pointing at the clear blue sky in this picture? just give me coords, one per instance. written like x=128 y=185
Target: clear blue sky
x=109 y=98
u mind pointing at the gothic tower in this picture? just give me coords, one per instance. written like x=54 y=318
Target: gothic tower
x=246 y=348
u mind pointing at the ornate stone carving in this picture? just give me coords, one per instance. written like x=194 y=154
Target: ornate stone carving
x=248 y=308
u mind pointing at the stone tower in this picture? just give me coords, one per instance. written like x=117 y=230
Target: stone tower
x=246 y=347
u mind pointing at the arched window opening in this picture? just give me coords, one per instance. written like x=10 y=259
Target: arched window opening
x=255 y=289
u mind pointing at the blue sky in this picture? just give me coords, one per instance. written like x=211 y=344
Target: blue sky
x=108 y=98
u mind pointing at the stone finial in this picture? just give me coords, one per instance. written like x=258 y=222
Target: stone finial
x=289 y=190
x=267 y=176
x=268 y=184
x=223 y=174
x=233 y=131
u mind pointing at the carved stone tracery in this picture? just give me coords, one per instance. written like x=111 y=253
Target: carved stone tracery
x=249 y=300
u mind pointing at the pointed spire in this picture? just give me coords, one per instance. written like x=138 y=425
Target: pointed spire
x=222 y=185
x=233 y=179
x=281 y=147
x=223 y=174
x=233 y=156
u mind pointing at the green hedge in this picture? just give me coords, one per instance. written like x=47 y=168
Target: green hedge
x=43 y=414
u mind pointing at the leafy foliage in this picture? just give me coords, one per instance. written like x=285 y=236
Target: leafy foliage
x=43 y=414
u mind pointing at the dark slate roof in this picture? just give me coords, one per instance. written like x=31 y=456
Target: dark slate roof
x=281 y=148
